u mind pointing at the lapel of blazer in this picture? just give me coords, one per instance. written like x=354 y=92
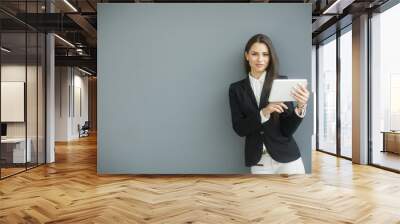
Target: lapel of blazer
x=250 y=92
x=263 y=97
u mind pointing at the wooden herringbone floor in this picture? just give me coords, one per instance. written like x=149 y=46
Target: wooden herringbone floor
x=69 y=191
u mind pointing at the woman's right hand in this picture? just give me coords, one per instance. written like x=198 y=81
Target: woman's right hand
x=274 y=107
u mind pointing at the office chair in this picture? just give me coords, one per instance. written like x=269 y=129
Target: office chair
x=84 y=130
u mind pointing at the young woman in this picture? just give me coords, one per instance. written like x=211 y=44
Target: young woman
x=268 y=127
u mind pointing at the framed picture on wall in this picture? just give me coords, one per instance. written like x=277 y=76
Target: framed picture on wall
x=12 y=101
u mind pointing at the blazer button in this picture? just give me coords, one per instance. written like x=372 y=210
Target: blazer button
x=261 y=132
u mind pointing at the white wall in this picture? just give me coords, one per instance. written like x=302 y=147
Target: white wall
x=80 y=100
x=33 y=126
x=17 y=73
x=62 y=81
x=70 y=84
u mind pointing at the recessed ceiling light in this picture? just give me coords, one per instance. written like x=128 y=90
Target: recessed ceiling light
x=337 y=7
x=64 y=40
x=86 y=72
x=5 y=50
x=70 y=5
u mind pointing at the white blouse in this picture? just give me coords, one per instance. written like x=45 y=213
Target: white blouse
x=256 y=86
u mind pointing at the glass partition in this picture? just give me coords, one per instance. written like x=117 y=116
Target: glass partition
x=22 y=77
x=327 y=95
x=14 y=153
x=346 y=93
x=32 y=95
x=41 y=87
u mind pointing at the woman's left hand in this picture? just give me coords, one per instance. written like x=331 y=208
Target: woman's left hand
x=301 y=94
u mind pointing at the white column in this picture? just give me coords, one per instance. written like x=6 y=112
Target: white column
x=360 y=90
x=50 y=91
x=50 y=79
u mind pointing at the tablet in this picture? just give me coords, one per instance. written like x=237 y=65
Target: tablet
x=281 y=89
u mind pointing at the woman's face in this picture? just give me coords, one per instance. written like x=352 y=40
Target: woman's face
x=258 y=58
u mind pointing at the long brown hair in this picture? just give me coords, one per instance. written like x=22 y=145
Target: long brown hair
x=273 y=65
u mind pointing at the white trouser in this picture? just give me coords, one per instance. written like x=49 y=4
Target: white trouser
x=267 y=165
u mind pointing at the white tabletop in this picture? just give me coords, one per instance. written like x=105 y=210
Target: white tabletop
x=13 y=140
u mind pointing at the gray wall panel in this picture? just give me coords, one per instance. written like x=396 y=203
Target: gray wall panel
x=163 y=77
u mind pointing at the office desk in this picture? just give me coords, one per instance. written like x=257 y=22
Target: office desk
x=13 y=150
x=391 y=141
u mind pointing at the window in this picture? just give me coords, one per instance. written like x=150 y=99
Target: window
x=346 y=92
x=385 y=89
x=327 y=95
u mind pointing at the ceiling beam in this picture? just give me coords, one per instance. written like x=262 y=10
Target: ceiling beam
x=85 y=61
x=86 y=26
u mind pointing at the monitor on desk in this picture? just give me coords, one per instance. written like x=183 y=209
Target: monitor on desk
x=3 y=130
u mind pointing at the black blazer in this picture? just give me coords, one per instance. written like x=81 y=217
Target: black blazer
x=276 y=133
